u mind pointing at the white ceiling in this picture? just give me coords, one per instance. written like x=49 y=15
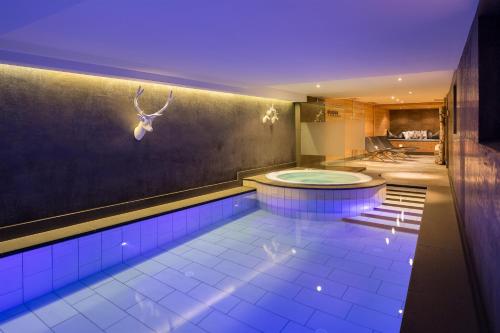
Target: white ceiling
x=286 y=44
x=413 y=88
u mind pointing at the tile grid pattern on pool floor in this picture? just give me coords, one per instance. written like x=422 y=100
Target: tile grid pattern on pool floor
x=260 y=272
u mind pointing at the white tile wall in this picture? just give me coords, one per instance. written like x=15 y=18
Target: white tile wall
x=227 y=207
x=32 y=273
x=179 y=224
x=111 y=247
x=193 y=219
x=64 y=263
x=205 y=215
x=216 y=210
x=164 y=229
x=89 y=255
x=318 y=204
x=11 y=281
x=131 y=245
x=37 y=272
x=149 y=235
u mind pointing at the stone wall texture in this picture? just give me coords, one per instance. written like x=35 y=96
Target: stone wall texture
x=67 y=142
x=475 y=173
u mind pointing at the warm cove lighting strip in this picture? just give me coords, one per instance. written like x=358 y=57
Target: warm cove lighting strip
x=75 y=75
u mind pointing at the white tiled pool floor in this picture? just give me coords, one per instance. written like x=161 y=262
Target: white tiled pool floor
x=257 y=273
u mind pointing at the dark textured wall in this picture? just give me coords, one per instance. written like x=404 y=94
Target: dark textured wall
x=489 y=75
x=475 y=172
x=409 y=120
x=67 y=143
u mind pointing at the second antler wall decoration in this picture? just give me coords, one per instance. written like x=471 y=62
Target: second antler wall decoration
x=271 y=115
x=146 y=120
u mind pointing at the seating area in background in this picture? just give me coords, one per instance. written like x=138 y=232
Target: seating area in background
x=414 y=135
x=380 y=148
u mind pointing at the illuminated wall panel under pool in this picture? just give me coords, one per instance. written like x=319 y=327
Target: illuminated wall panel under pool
x=319 y=204
x=30 y=274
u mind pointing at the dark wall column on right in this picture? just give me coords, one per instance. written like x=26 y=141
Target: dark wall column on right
x=474 y=156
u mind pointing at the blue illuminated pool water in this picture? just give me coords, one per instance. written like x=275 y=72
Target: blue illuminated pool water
x=257 y=272
x=318 y=177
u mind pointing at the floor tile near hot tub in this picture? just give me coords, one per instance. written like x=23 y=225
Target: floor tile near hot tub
x=258 y=272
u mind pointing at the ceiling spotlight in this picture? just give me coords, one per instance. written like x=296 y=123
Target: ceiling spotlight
x=410 y=92
x=392 y=97
x=397 y=99
x=400 y=79
x=318 y=85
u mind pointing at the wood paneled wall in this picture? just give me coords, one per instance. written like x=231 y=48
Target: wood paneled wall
x=376 y=118
x=407 y=120
x=349 y=109
x=338 y=109
x=369 y=119
x=346 y=109
x=381 y=120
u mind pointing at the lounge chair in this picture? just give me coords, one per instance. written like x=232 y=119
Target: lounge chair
x=398 y=151
x=376 y=152
x=389 y=149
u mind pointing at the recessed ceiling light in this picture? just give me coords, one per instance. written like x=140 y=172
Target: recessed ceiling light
x=400 y=79
x=410 y=92
x=318 y=85
x=392 y=97
x=397 y=99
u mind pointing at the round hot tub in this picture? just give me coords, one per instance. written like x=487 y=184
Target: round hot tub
x=318 y=194
x=318 y=177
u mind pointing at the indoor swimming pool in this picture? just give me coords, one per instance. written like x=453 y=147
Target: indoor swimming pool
x=252 y=272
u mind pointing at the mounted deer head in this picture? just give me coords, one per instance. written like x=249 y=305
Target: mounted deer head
x=271 y=115
x=146 y=120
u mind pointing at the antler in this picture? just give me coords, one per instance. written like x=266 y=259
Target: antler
x=160 y=112
x=136 y=100
x=141 y=113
